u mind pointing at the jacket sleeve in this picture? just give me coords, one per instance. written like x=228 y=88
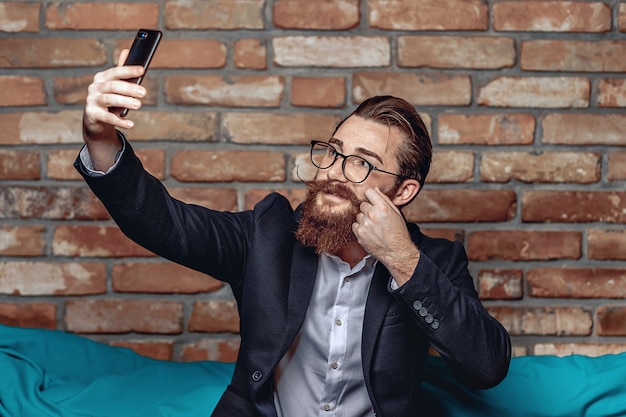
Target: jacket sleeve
x=444 y=304
x=202 y=239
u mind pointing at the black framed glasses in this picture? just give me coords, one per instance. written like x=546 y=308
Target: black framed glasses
x=354 y=168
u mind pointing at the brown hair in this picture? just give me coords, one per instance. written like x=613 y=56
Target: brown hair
x=415 y=154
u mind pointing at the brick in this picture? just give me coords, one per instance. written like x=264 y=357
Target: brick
x=21 y=91
x=174 y=126
x=545 y=167
x=486 y=129
x=447 y=15
x=535 y=92
x=102 y=16
x=574 y=206
x=216 y=14
x=278 y=128
x=123 y=316
x=222 y=199
x=226 y=166
x=295 y=196
x=41 y=127
x=544 y=320
x=573 y=55
x=517 y=245
x=323 y=51
x=611 y=92
x=54 y=203
x=37 y=315
x=250 y=53
x=184 y=53
x=316 y=14
x=577 y=282
x=611 y=320
x=500 y=284
x=22 y=240
x=456 y=52
x=19 y=165
x=322 y=92
x=451 y=166
x=552 y=16
x=606 y=244
x=235 y=91
x=586 y=349
x=52 y=278
x=303 y=169
x=51 y=53
x=583 y=129
x=59 y=164
x=621 y=17
x=156 y=350
x=94 y=241
x=73 y=90
x=461 y=205
x=222 y=350
x=215 y=316
x=418 y=89
x=19 y=17
x=162 y=277
x=616 y=166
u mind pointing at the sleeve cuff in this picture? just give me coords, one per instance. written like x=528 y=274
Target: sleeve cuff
x=85 y=158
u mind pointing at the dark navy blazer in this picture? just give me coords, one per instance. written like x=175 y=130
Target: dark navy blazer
x=272 y=277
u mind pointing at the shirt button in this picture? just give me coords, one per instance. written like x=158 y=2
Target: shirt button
x=257 y=376
x=327 y=407
x=335 y=365
x=338 y=322
x=347 y=279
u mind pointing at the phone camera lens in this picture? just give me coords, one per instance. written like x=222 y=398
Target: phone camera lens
x=142 y=35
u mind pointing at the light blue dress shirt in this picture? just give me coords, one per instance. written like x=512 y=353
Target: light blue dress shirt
x=321 y=375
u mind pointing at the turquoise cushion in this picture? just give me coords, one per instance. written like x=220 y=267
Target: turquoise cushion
x=536 y=386
x=52 y=373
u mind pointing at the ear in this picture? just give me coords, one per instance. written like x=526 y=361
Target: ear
x=406 y=192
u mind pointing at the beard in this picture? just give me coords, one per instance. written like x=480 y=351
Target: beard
x=327 y=229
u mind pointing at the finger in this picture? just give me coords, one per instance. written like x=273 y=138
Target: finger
x=122 y=58
x=386 y=199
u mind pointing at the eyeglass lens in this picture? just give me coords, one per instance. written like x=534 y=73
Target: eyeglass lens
x=355 y=168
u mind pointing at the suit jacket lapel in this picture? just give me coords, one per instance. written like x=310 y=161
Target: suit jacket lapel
x=301 y=283
x=377 y=304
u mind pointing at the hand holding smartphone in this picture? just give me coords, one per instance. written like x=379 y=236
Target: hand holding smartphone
x=141 y=52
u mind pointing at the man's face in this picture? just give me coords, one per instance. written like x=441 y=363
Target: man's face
x=333 y=202
x=374 y=142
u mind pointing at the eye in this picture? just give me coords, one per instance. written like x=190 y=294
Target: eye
x=359 y=162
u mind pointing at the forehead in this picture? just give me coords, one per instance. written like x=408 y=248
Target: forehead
x=358 y=133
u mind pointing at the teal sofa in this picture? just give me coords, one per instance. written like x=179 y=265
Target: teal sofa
x=51 y=373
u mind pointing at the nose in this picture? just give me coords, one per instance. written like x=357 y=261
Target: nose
x=335 y=171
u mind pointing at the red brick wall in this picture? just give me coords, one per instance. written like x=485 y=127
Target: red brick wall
x=525 y=100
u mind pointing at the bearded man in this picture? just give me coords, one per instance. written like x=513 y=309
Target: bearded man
x=339 y=300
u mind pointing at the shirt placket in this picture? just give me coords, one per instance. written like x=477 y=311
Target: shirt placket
x=338 y=344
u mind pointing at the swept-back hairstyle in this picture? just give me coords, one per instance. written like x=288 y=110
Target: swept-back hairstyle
x=415 y=153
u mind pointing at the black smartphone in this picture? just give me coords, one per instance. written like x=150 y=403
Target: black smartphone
x=141 y=52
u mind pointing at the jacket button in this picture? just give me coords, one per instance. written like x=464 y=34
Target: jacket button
x=417 y=304
x=435 y=324
x=429 y=318
x=423 y=311
x=257 y=376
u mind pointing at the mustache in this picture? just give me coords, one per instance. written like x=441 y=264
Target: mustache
x=333 y=188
